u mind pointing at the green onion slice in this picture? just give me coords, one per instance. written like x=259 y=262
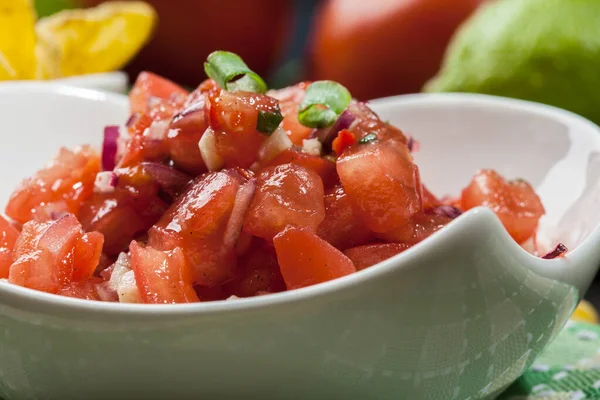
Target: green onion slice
x=371 y=137
x=268 y=121
x=323 y=102
x=232 y=74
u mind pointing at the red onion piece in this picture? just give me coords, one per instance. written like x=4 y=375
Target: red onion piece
x=413 y=144
x=109 y=147
x=133 y=119
x=558 y=251
x=170 y=179
x=446 y=211
x=327 y=135
x=236 y=220
x=195 y=110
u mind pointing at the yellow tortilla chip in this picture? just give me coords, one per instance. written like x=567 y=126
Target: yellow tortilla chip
x=17 y=39
x=100 y=39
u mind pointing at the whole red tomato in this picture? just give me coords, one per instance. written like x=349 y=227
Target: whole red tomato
x=383 y=47
x=189 y=30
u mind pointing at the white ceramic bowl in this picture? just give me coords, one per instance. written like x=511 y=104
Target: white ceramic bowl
x=115 y=81
x=459 y=316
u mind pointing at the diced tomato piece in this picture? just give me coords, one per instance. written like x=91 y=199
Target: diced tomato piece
x=148 y=86
x=8 y=238
x=324 y=167
x=258 y=272
x=166 y=109
x=143 y=147
x=208 y=88
x=429 y=199
x=367 y=122
x=288 y=194
x=197 y=223
x=85 y=289
x=134 y=200
x=365 y=256
x=86 y=256
x=419 y=227
x=186 y=130
x=163 y=277
x=234 y=117
x=139 y=123
x=382 y=182
x=305 y=259
x=342 y=227
x=44 y=254
x=289 y=100
x=514 y=202
x=68 y=179
x=344 y=139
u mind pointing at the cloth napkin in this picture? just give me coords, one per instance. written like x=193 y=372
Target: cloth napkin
x=568 y=369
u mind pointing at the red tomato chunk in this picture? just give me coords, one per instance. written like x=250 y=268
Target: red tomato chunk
x=288 y=194
x=305 y=259
x=514 y=202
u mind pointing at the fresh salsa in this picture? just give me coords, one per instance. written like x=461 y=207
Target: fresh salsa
x=233 y=190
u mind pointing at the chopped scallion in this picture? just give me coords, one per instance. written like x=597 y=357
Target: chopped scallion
x=232 y=74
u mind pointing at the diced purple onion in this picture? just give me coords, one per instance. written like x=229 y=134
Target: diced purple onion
x=327 y=135
x=109 y=147
x=240 y=206
x=558 y=251
x=446 y=211
x=413 y=144
x=193 y=111
x=171 y=180
x=133 y=119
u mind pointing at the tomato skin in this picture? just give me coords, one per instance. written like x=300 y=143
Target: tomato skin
x=382 y=183
x=363 y=47
x=287 y=194
x=366 y=256
x=197 y=222
x=514 y=202
x=149 y=85
x=325 y=168
x=342 y=227
x=305 y=259
x=8 y=238
x=289 y=100
x=67 y=181
x=163 y=277
x=43 y=254
x=85 y=289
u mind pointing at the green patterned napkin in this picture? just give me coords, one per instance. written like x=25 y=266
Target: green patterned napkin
x=568 y=369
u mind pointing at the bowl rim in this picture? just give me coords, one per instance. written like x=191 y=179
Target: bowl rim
x=24 y=298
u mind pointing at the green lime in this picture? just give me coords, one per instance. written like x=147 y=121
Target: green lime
x=541 y=50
